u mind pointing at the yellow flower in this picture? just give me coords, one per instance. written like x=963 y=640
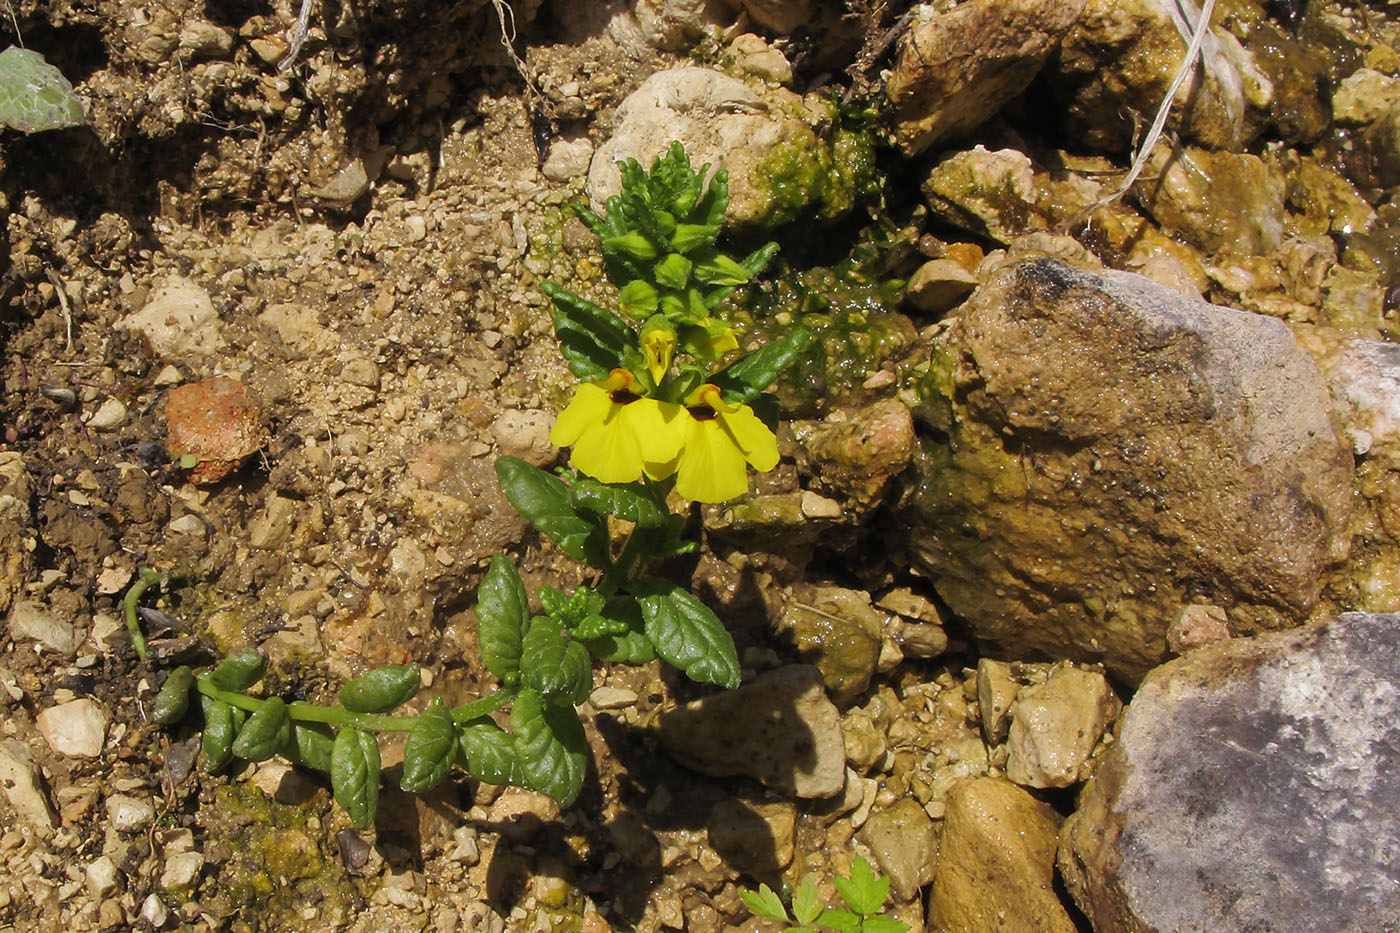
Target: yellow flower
x=719 y=440
x=658 y=344
x=618 y=435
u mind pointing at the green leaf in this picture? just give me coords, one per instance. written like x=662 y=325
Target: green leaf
x=430 y=749
x=632 y=245
x=629 y=646
x=637 y=298
x=310 y=746
x=240 y=671
x=383 y=688
x=746 y=378
x=710 y=209
x=719 y=269
x=599 y=626
x=673 y=271
x=173 y=700
x=355 y=774
x=640 y=503
x=266 y=731
x=686 y=633
x=843 y=921
x=553 y=664
x=765 y=903
x=806 y=904
x=864 y=891
x=502 y=612
x=220 y=729
x=488 y=753
x=592 y=339
x=544 y=500
x=34 y=95
x=689 y=237
x=550 y=742
x=884 y=925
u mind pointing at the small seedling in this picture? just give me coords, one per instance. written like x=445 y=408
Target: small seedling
x=864 y=894
x=34 y=95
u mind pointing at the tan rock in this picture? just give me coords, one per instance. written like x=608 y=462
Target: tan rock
x=955 y=69
x=997 y=862
x=1055 y=726
x=904 y=842
x=754 y=836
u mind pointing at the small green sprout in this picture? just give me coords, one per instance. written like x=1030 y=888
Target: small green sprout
x=34 y=95
x=864 y=894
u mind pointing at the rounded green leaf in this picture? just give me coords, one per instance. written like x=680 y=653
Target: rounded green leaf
x=381 y=689
x=553 y=663
x=551 y=745
x=266 y=731
x=35 y=95
x=221 y=724
x=502 y=612
x=355 y=775
x=240 y=671
x=686 y=633
x=310 y=746
x=173 y=700
x=488 y=753
x=430 y=749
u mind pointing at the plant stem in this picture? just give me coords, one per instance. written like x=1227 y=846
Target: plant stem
x=301 y=711
x=144 y=578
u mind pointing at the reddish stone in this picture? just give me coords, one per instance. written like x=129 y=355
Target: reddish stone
x=217 y=423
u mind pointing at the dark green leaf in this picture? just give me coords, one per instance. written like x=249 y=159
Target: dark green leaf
x=310 y=746
x=220 y=728
x=640 y=503
x=502 y=613
x=710 y=209
x=240 y=671
x=843 y=921
x=686 y=633
x=266 y=731
x=173 y=700
x=355 y=774
x=550 y=742
x=864 y=892
x=884 y=925
x=544 y=500
x=489 y=753
x=748 y=377
x=553 y=664
x=593 y=627
x=382 y=689
x=765 y=903
x=631 y=645
x=592 y=339
x=430 y=749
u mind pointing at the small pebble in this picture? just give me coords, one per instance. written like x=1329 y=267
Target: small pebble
x=129 y=814
x=109 y=416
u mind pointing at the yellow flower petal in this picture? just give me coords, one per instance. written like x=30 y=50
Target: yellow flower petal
x=588 y=407
x=751 y=435
x=712 y=467
x=610 y=450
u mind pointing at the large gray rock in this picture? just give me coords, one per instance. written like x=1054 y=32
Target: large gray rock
x=1253 y=787
x=782 y=161
x=779 y=729
x=957 y=68
x=1364 y=378
x=1116 y=451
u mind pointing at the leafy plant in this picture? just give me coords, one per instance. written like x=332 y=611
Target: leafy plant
x=864 y=894
x=644 y=424
x=34 y=95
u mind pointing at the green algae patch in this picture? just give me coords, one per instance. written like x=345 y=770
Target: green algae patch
x=852 y=314
x=806 y=178
x=279 y=857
